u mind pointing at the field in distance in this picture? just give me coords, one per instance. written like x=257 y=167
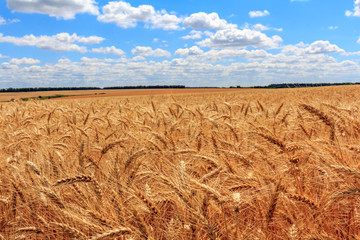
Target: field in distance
x=241 y=164
x=8 y=96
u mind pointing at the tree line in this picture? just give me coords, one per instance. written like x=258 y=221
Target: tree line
x=298 y=85
x=146 y=87
x=40 y=89
x=271 y=86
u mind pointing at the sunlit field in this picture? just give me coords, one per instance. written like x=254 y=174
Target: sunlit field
x=245 y=164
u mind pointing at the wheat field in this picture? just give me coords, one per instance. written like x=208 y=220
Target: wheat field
x=247 y=164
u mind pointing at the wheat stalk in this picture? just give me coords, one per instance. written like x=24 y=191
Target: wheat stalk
x=348 y=170
x=111 y=234
x=70 y=231
x=29 y=230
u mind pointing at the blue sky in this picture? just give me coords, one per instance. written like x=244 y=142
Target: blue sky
x=191 y=42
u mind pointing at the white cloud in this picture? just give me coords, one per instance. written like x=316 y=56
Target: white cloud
x=351 y=53
x=195 y=50
x=317 y=47
x=93 y=62
x=127 y=16
x=218 y=55
x=232 y=38
x=2 y=56
x=254 y=14
x=356 y=10
x=188 y=70
x=55 y=8
x=8 y=66
x=322 y=47
x=60 y=42
x=242 y=53
x=24 y=61
x=333 y=27
x=260 y=27
x=66 y=37
x=203 y=20
x=165 y=21
x=4 y=21
x=108 y=50
x=194 y=34
x=138 y=58
x=148 y=51
x=124 y=15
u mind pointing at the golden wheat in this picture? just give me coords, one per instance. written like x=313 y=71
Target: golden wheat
x=245 y=164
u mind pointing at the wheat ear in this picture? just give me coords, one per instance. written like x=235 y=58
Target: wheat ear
x=53 y=197
x=346 y=170
x=70 y=231
x=29 y=230
x=323 y=117
x=241 y=187
x=147 y=202
x=349 y=192
x=273 y=140
x=112 y=234
x=71 y=180
x=303 y=199
x=273 y=203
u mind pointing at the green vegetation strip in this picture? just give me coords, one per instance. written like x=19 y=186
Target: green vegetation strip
x=55 y=96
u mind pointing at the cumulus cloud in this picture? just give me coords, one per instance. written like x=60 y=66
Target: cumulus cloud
x=149 y=52
x=165 y=21
x=108 y=50
x=317 y=47
x=8 y=66
x=24 y=61
x=351 y=53
x=60 y=42
x=195 y=50
x=242 y=53
x=4 y=21
x=138 y=58
x=93 y=62
x=218 y=55
x=232 y=38
x=356 y=10
x=194 y=34
x=127 y=16
x=260 y=27
x=124 y=15
x=254 y=14
x=188 y=70
x=203 y=20
x=322 y=47
x=55 y=8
